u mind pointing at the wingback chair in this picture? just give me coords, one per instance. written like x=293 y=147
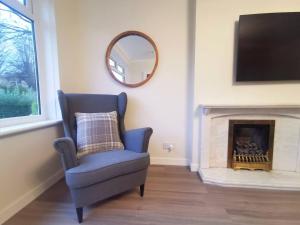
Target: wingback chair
x=101 y=175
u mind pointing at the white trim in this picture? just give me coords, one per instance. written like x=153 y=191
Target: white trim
x=194 y=167
x=14 y=121
x=28 y=197
x=298 y=156
x=169 y=161
x=4 y=131
x=29 y=6
x=195 y=160
x=24 y=10
x=46 y=44
x=27 y=12
x=283 y=106
x=47 y=60
x=41 y=60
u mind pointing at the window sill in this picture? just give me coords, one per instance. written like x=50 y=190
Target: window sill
x=11 y=130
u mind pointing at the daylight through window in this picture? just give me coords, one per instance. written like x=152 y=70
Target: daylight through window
x=19 y=90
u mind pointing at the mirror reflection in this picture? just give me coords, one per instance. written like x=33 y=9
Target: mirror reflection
x=132 y=60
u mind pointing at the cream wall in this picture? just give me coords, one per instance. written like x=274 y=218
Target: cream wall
x=215 y=43
x=161 y=103
x=214 y=61
x=68 y=45
x=28 y=166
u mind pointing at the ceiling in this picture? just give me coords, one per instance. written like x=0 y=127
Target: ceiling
x=136 y=48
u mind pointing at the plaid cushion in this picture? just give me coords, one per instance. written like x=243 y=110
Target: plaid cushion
x=97 y=132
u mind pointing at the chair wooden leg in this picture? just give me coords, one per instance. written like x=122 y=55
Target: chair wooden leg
x=79 y=212
x=142 y=188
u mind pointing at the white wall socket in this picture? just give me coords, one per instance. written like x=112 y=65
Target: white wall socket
x=168 y=146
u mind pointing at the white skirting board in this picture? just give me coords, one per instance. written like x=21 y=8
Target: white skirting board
x=194 y=167
x=27 y=198
x=169 y=161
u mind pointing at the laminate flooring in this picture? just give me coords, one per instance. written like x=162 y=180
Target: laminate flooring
x=173 y=196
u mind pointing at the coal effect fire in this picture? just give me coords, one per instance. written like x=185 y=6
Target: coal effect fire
x=248 y=152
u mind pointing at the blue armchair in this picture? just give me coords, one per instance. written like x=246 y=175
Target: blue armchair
x=101 y=175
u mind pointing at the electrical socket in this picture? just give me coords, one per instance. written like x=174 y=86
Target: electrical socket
x=168 y=146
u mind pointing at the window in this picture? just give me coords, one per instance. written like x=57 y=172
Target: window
x=120 y=69
x=117 y=70
x=19 y=86
x=112 y=63
x=119 y=76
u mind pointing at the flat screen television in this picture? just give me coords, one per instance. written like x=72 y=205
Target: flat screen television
x=269 y=47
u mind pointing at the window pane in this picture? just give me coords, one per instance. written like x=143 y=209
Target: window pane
x=120 y=69
x=112 y=63
x=118 y=76
x=19 y=92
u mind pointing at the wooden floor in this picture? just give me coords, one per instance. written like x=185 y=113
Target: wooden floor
x=174 y=196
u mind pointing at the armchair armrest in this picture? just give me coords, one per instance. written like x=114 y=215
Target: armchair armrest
x=137 y=140
x=66 y=148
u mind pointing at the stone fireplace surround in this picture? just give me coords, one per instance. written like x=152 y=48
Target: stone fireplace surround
x=210 y=158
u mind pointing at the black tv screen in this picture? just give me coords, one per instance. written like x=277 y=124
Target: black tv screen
x=269 y=47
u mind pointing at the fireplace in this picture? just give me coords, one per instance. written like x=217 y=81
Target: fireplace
x=250 y=144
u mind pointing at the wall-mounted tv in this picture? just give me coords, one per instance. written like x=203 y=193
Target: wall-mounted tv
x=269 y=47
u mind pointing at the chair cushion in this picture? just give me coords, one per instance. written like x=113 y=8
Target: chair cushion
x=103 y=166
x=97 y=132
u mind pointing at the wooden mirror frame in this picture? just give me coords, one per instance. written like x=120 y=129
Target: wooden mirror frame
x=115 y=40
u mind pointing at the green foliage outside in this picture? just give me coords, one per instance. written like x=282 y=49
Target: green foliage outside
x=18 y=77
x=18 y=103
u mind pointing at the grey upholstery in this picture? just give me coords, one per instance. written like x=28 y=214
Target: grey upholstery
x=105 y=165
x=90 y=103
x=138 y=139
x=66 y=147
x=101 y=175
x=87 y=195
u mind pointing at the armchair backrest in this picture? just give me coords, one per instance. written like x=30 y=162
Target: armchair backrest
x=90 y=103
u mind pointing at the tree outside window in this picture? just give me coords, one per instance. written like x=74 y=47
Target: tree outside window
x=19 y=91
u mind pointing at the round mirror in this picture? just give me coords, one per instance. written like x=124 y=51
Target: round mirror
x=131 y=58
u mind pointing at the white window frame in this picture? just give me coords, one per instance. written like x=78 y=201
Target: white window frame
x=40 y=12
x=114 y=62
x=115 y=67
x=119 y=66
x=26 y=10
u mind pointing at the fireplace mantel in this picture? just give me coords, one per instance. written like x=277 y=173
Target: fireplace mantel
x=212 y=142
x=207 y=109
x=250 y=106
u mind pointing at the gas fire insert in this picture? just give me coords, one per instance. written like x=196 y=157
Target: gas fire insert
x=250 y=144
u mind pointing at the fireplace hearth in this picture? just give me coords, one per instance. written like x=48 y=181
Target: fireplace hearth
x=210 y=150
x=251 y=144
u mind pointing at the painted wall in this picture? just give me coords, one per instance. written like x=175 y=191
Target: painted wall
x=68 y=44
x=28 y=165
x=161 y=103
x=216 y=34
x=215 y=44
